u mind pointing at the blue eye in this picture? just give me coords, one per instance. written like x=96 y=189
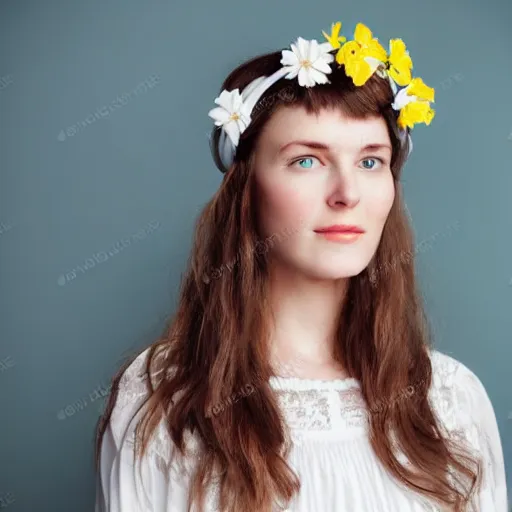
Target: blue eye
x=305 y=159
x=371 y=160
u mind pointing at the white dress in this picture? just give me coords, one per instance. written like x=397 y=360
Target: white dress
x=331 y=452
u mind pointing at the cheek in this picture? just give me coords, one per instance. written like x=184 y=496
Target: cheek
x=283 y=207
x=380 y=201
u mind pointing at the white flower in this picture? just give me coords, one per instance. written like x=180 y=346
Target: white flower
x=309 y=60
x=232 y=114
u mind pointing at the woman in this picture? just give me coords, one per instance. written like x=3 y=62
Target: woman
x=298 y=372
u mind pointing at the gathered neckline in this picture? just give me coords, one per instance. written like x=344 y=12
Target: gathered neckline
x=302 y=384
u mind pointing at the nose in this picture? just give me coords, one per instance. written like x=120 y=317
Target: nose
x=343 y=188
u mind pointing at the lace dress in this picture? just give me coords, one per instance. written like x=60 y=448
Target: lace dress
x=330 y=453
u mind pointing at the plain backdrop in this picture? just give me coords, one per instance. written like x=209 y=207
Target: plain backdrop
x=105 y=164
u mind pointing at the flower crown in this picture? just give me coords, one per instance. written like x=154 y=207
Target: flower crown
x=310 y=62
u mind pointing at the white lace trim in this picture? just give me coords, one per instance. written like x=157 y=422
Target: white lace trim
x=298 y=384
x=330 y=409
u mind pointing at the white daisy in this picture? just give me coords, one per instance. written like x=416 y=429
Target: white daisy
x=309 y=60
x=232 y=114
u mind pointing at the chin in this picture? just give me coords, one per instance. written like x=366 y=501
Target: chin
x=320 y=267
x=331 y=272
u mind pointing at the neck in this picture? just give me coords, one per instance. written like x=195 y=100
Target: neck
x=304 y=324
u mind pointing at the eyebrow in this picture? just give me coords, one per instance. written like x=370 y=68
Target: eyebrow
x=324 y=147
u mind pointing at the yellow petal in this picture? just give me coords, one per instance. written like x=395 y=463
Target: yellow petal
x=359 y=70
x=347 y=52
x=376 y=50
x=418 y=88
x=362 y=34
x=402 y=76
x=334 y=37
x=336 y=27
x=415 y=112
x=397 y=49
x=369 y=44
x=340 y=56
x=400 y=63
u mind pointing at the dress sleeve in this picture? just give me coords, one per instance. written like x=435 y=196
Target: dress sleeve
x=123 y=483
x=493 y=495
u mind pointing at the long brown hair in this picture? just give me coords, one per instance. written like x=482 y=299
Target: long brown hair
x=217 y=341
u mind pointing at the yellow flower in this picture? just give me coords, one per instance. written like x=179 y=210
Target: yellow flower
x=334 y=38
x=419 y=89
x=413 y=102
x=354 y=53
x=415 y=112
x=400 y=63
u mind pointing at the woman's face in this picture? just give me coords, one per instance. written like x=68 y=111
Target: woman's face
x=312 y=172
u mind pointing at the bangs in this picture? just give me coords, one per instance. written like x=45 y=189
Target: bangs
x=374 y=98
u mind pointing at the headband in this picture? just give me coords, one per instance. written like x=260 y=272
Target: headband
x=309 y=61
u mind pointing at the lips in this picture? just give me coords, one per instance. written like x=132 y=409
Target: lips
x=340 y=229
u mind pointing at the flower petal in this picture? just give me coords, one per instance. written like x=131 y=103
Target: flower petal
x=420 y=89
x=242 y=124
x=322 y=65
x=228 y=100
x=303 y=48
x=305 y=79
x=359 y=70
x=416 y=112
x=362 y=34
x=317 y=76
x=237 y=102
x=398 y=50
x=401 y=76
x=349 y=51
x=295 y=50
x=326 y=48
x=376 y=50
x=233 y=132
x=336 y=27
x=333 y=37
x=289 y=58
x=220 y=115
x=313 y=51
x=400 y=62
x=293 y=71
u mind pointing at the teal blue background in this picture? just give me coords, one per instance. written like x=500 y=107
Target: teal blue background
x=104 y=166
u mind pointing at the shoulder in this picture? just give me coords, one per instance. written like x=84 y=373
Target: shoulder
x=132 y=398
x=466 y=414
x=132 y=394
x=459 y=397
x=446 y=368
x=133 y=382
x=449 y=372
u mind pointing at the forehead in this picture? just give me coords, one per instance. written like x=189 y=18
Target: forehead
x=329 y=126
